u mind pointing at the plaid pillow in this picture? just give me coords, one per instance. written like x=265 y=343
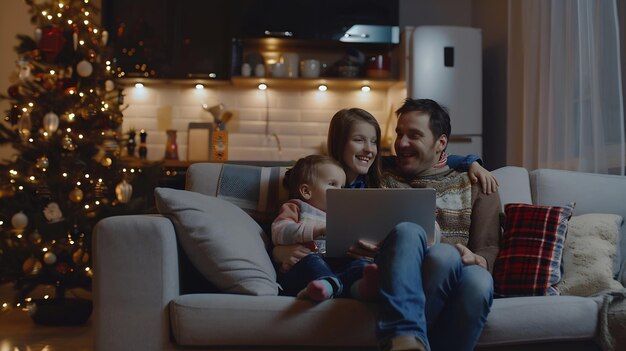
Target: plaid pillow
x=531 y=250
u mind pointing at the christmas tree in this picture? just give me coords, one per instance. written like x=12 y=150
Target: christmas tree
x=67 y=170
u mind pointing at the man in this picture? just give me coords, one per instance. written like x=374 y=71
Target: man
x=436 y=297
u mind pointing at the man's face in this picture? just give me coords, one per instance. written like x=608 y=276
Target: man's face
x=416 y=147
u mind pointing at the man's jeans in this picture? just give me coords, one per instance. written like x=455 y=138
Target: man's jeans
x=312 y=267
x=429 y=293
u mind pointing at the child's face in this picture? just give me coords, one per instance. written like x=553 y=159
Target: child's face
x=329 y=176
x=360 y=150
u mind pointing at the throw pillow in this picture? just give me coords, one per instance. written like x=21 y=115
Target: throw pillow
x=531 y=249
x=590 y=248
x=223 y=242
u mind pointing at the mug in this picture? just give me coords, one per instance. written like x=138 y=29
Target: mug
x=292 y=60
x=278 y=70
x=310 y=68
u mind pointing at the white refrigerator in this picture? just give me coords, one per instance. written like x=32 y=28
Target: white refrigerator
x=445 y=64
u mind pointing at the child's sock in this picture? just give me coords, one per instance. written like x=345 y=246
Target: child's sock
x=366 y=288
x=319 y=290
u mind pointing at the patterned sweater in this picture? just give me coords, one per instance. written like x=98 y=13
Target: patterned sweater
x=296 y=222
x=465 y=214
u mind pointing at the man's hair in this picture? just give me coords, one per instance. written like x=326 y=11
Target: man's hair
x=439 y=119
x=305 y=171
x=339 y=131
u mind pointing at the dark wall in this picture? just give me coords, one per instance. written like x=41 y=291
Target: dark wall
x=621 y=13
x=492 y=17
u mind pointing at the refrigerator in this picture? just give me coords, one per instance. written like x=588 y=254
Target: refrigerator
x=445 y=64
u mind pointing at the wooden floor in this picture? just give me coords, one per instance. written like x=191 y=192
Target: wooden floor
x=19 y=333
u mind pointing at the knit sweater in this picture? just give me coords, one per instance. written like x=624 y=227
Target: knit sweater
x=296 y=222
x=465 y=214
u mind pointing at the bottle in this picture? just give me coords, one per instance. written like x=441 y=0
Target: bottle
x=171 y=147
x=143 y=149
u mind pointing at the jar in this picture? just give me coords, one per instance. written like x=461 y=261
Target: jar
x=171 y=147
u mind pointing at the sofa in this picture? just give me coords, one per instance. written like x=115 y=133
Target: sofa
x=148 y=296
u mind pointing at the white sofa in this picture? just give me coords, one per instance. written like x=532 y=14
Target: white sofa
x=143 y=299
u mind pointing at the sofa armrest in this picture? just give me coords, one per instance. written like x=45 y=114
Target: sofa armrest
x=136 y=276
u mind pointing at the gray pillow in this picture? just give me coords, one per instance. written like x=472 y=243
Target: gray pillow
x=223 y=242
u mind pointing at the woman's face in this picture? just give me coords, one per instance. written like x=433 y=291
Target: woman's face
x=360 y=150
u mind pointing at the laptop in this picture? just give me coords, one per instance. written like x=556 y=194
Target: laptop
x=353 y=214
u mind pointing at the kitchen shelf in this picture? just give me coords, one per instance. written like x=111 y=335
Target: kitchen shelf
x=312 y=83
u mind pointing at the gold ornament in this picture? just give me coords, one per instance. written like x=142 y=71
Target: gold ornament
x=31 y=266
x=49 y=258
x=80 y=256
x=106 y=162
x=123 y=192
x=84 y=68
x=76 y=195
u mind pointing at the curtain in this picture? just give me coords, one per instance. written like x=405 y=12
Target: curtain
x=565 y=107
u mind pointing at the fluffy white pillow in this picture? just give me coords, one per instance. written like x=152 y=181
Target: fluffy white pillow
x=222 y=241
x=590 y=248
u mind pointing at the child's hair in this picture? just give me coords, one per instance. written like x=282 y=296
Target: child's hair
x=339 y=132
x=305 y=172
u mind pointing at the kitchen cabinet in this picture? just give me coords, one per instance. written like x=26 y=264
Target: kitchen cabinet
x=309 y=19
x=170 y=38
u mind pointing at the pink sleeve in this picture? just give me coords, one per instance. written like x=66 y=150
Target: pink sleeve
x=288 y=229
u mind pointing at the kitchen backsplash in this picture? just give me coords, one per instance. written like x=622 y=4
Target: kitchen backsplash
x=266 y=125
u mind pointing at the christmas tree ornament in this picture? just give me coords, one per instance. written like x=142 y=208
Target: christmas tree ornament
x=123 y=192
x=38 y=34
x=75 y=40
x=80 y=256
x=24 y=70
x=62 y=268
x=31 y=266
x=42 y=163
x=49 y=257
x=109 y=85
x=51 y=122
x=105 y=37
x=35 y=237
x=19 y=221
x=84 y=68
x=24 y=125
x=106 y=162
x=51 y=43
x=76 y=195
x=14 y=91
x=67 y=143
x=52 y=213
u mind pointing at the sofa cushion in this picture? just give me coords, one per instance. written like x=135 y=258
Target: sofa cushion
x=535 y=319
x=531 y=249
x=237 y=320
x=590 y=248
x=223 y=242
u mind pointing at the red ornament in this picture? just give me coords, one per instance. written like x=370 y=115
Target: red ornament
x=14 y=91
x=51 y=43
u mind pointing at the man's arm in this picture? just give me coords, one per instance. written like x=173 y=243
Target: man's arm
x=484 y=237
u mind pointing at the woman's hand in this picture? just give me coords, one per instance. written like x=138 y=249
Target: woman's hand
x=288 y=255
x=363 y=249
x=469 y=258
x=488 y=182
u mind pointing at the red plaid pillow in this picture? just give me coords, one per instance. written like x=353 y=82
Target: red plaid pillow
x=531 y=250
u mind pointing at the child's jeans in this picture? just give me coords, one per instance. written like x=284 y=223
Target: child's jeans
x=312 y=267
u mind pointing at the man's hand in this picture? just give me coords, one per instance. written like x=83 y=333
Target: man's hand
x=289 y=255
x=469 y=258
x=488 y=182
x=363 y=249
